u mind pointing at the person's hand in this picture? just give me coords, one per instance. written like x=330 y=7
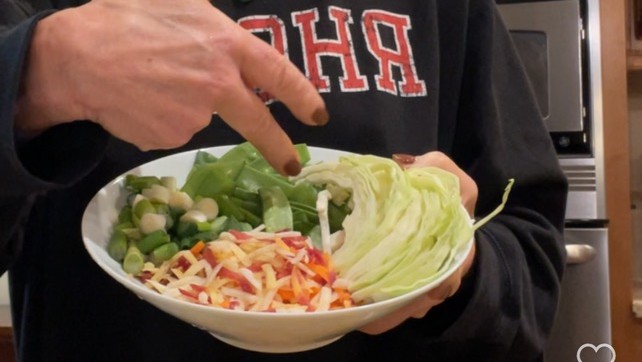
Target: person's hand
x=422 y=304
x=153 y=72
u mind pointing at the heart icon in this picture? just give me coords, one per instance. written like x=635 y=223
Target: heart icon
x=595 y=349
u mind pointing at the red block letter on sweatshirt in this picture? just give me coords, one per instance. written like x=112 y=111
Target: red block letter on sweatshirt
x=400 y=56
x=314 y=48
x=275 y=27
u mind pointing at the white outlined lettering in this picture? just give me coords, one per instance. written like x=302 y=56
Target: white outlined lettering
x=342 y=47
x=402 y=57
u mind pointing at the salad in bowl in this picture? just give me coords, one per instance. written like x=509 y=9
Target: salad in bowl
x=218 y=239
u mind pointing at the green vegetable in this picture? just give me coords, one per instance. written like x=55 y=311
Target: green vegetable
x=125 y=215
x=252 y=180
x=211 y=179
x=136 y=183
x=134 y=260
x=117 y=246
x=163 y=252
x=277 y=214
x=238 y=190
x=141 y=208
x=408 y=223
x=152 y=241
x=203 y=157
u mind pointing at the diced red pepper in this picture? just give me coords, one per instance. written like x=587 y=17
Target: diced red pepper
x=296 y=242
x=239 y=235
x=316 y=256
x=198 y=288
x=189 y=293
x=183 y=264
x=145 y=275
x=209 y=256
x=237 y=277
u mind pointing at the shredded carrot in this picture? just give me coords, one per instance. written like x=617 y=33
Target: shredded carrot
x=287 y=295
x=197 y=248
x=321 y=270
x=225 y=303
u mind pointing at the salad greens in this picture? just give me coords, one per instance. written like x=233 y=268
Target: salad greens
x=409 y=223
x=236 y=191
x=390 y=230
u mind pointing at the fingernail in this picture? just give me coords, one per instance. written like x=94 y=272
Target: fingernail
x=320 y=116
x=403 y=158
x=292 y=168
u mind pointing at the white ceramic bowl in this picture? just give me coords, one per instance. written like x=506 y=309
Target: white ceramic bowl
x=258 y=331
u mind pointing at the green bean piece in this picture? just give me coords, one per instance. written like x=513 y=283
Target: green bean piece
x=153 y=240
x=117 y=246
x=138 y=183
x=277 y=214
x=125 y=214
x=132 y=233
x=124 y=225
x=134 y=260
x=163 y=253
x=143 y=207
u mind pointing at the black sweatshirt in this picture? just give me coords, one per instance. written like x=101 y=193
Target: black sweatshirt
x=404 y=77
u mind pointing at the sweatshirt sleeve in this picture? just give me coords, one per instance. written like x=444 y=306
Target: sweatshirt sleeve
x=55 y=159
x=506 y=305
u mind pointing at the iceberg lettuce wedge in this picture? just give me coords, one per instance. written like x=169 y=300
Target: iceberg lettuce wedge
x=405 y=228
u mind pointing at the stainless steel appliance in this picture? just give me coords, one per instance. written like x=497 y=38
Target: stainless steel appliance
x=559 y=43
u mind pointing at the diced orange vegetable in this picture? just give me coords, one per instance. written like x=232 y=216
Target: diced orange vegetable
x=321 y=270
x=287 y=295
x=197 y=248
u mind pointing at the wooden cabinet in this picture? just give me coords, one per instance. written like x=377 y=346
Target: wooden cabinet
x=620 y=53
x=6 y=345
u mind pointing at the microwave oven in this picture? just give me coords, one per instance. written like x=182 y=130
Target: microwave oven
x=550 y=37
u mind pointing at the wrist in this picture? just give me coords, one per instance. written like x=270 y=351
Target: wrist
x=46 y=98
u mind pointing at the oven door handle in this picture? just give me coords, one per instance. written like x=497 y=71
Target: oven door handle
x=579 y=253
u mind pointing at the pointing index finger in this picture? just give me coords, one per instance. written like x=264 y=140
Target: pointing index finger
x=266 y=68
